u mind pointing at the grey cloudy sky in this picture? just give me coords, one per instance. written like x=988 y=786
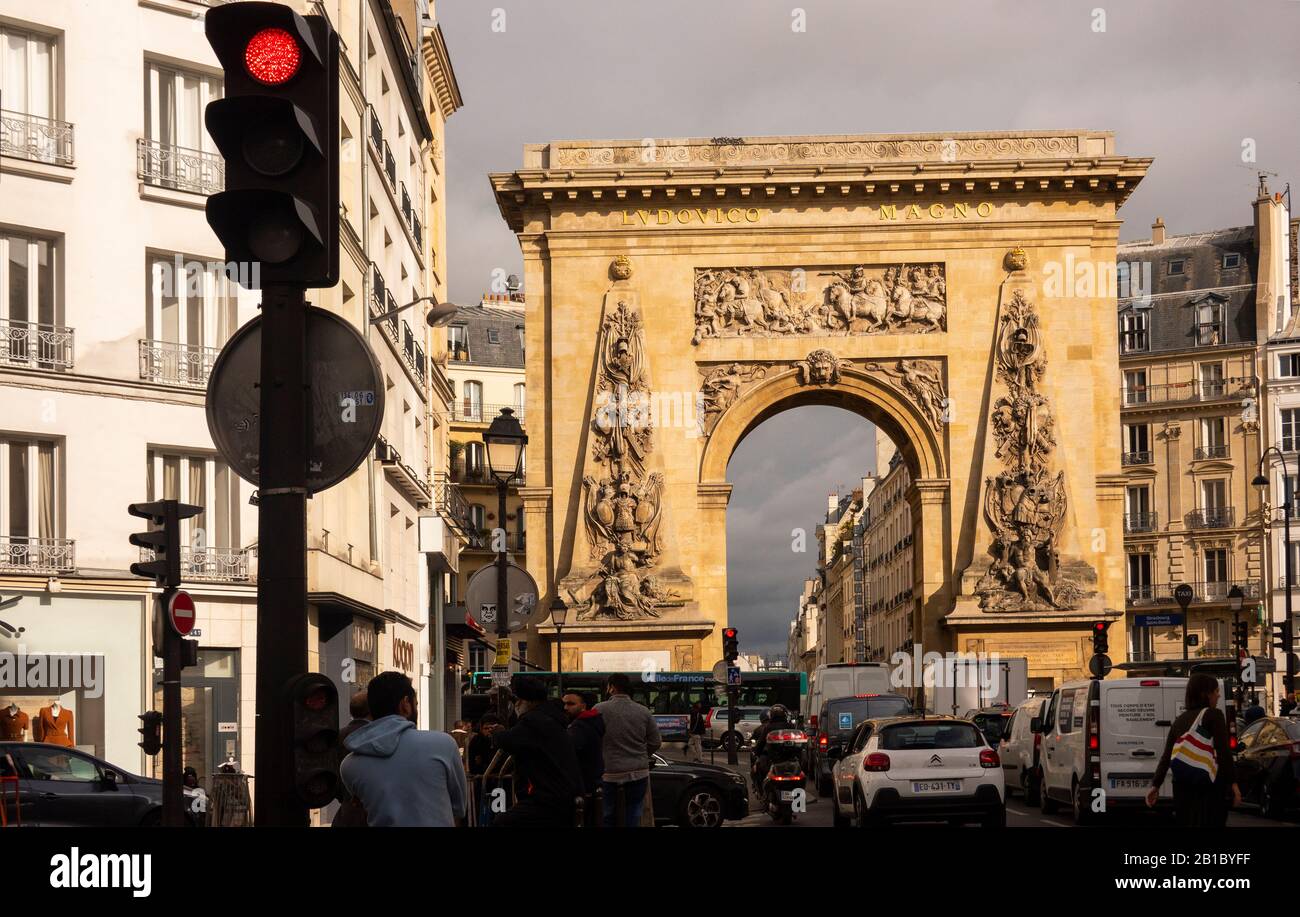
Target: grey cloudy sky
x=1183 y=81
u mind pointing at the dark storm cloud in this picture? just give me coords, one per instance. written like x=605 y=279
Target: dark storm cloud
x=1183 y=81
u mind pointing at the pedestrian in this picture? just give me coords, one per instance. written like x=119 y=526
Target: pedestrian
x=404 y=776
x=351 y=813
x=1198 y=753
x=546 y=766
x=631 y=737
x=587 y=731
x=695 y=734
x=479 y=750
x=1251 y=713
x=1287 y=705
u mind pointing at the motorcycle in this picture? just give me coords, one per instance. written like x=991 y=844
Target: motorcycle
x=784 y=780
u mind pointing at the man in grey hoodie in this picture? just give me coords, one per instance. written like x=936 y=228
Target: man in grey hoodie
x=405 y=777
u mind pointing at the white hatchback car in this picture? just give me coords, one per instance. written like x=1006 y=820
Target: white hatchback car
x=919 y=768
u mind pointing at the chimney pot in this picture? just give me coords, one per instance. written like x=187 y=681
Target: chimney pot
x=1158 y=231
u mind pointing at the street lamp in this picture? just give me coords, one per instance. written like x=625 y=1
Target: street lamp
x=559 y=614
x=440 y=314
x=505 y=441
x=1261 y=481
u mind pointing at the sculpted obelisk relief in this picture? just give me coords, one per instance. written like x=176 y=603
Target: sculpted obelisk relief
x=615 y=575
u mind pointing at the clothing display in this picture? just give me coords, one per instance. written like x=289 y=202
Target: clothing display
x=13 y=724
x=54 y=728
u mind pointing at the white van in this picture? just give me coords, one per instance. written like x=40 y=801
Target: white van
x=1108 y=734
x=843 y=679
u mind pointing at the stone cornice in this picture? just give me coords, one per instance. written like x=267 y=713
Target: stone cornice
x=438 y=62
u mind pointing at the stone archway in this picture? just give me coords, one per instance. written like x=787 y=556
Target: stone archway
x=905 y=277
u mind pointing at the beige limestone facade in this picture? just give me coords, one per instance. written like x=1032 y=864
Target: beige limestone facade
x=708 y=285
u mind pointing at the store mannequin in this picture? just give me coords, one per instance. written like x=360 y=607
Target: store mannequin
x=54 y=725
x=13 y=724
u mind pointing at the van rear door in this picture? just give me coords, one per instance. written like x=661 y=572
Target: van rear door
x=1135 y=717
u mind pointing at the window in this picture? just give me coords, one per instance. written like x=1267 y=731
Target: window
x=1137 y=440
x=1065 y=712
x=1133 y=331
x=204 y=481
x=1177 y=266
x=1288 y=364
x=1214 y=442
x=1135 y=386
x=1139 y=500
x=1139 y=576
x=30 y=499
x=1231 y=260
x=30 y=314
x=494 y=336
x=1216 y=565
x=472 y=402
x=520 y=399
x=1142 y=649
x=1290 y=429
x=1216 y=633
x=192 y=311
x=28 y=84
x=1209 y=324
x=1212 y=383
x=475 y=460
x=458 y=342
x=177 y=152
x=1213 y=495
x=478 y=516
x=520 y=330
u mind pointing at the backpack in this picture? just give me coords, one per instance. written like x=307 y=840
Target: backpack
x=1192 y=760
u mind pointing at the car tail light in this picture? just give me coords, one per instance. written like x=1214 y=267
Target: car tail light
x=989 y=758
x=823 y=741
x=1150 y=683
x=876 y=761
x=787 y=737
x=798 y=776
x=812 y=721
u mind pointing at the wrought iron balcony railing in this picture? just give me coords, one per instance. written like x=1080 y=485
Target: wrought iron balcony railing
x=405 y=198
x=390 y=166
x=1219 y=451
x=450 y=503
x=467 y=411
x=482 y=540
x=376 y=131
x=1192 y=390
x=412 y=352
x=176 y=364
x=34 y=344
x=19 y=554
x=1163 y=594
x=34 y=138
x=1140 y=522
x=178 y=168
x=1138 y=458
x=1216 y=517
x=209 y=565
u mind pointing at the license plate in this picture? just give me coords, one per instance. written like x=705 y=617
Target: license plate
x=936 y=786
x=1131 y=782
x=787 y=795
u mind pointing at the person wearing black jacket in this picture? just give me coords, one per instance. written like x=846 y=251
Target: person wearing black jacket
x=1198 y=805
x=587 y=730
x=351 y=813
x=546 y=766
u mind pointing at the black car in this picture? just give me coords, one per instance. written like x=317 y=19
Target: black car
x=63 y=787
x=992 y=721
x=837 y=720
x=696 y=795
x=1268 y=764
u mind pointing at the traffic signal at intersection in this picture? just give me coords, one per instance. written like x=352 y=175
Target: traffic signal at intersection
x=730 y=644
x=163 y=539
x=278 y=128
x=150 y=732
x=1100 y=640
x=314 y=720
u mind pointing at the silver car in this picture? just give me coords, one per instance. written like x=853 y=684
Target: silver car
x=748 y=719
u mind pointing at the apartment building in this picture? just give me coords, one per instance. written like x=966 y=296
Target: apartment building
x=117 y=301
x=888 y=551
x=485 y=346
x=1192 y=409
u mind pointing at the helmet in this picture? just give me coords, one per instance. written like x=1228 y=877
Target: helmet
x=779 y=712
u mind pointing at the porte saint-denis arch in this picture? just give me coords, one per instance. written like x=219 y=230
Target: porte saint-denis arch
x=953 y=289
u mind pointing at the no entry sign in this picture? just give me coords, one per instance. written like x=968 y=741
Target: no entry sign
x=180 y=611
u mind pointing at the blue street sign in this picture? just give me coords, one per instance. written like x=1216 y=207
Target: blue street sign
x=1170 y=620
x=733 y=675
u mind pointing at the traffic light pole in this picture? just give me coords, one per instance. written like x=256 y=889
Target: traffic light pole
x=282 y=548
x=1288 y=628
x=173 y=801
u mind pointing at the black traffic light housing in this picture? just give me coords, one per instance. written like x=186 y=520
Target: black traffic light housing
x=150 y=732
x=1241 y=636
x=164 y=539
x=730 y=644
x=278 y=128
x=1282 y=636
x=189 y=653
x=1100 y=640
x=314 y=721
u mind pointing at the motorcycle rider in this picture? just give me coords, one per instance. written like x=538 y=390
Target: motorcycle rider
x=778 y=717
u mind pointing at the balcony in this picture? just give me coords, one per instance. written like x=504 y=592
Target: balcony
x=45 y=556
x=36 y=139
x=1202 y=593
x=1201 y=453
x=450 y=503
x=463 y=473
x=1138 y=458
x=168 y=363
x=418 y=231
x=1190 y=391
x=209 y=565
x=481 y=540
x=1135 y=523
x=405 y=198
x=35 y=345
x=413 y=353
x=376 y=131
x=467 y=411
x=179 y=169
x=1216 y=517
x=390 y=166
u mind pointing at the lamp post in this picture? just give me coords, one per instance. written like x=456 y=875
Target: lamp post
x=1235 y=598
x=1261 y=480
x=559 y=614
x=505 y=441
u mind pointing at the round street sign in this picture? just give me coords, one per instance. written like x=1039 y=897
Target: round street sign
x=180 y=611
x=345 y=407
x=481 y=597
x=1100 y=665
x=1183 y=595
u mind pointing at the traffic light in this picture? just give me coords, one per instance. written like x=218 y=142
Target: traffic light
x=1241 y=636
x=189 y=653
x=150 y=732
x=1100 y=642
x=163 y=539
x=730 y=644
x=1282 y=636
x=314 y=721
x=278 y=128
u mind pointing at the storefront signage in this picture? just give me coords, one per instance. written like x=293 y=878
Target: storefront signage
x=1169 y=620
x=403 y=655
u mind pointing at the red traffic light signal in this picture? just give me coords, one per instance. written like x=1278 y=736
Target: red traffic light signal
x=272 y=56
x=729 y=633
x=1100 y=643
x=730 y=644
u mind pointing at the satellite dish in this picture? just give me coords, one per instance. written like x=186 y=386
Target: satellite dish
x=345 y=403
